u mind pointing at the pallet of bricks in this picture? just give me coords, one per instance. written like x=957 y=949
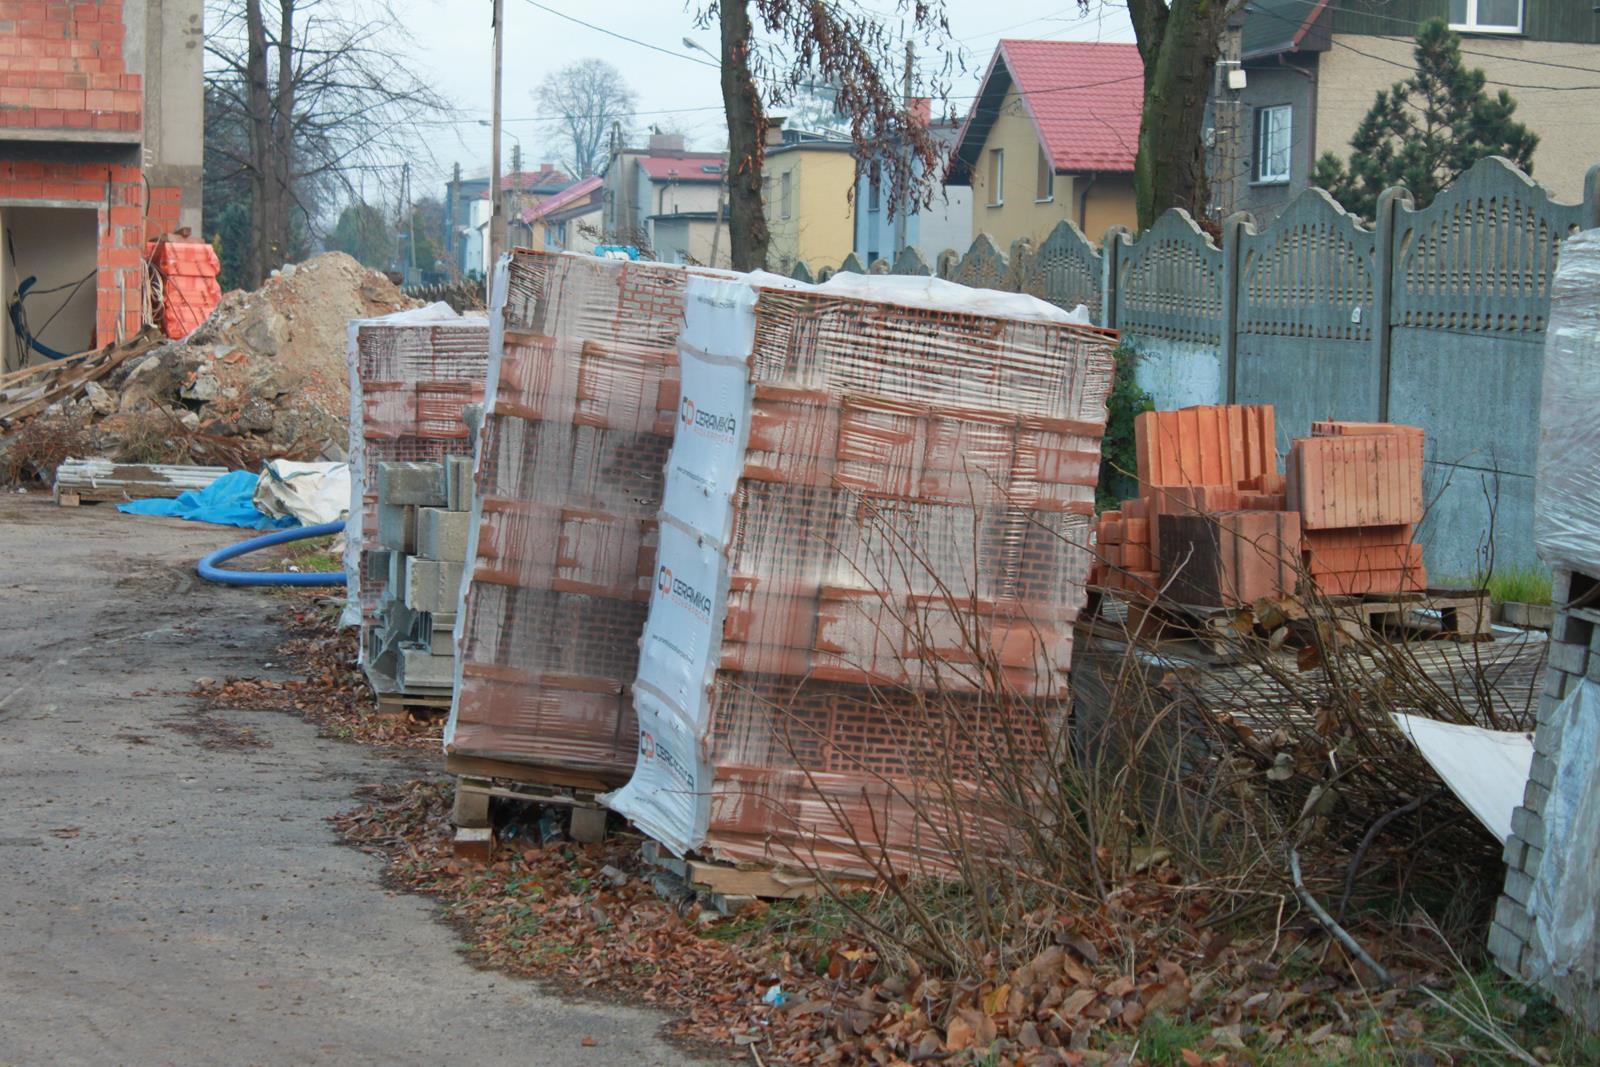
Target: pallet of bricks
x=578 y=418
x=1216 y=525
x=837 y=471
x=871 y=557
x=416 y=379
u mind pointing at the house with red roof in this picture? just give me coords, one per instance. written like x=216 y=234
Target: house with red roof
x=569 y=221
x=667 y=201
x=1052 y=135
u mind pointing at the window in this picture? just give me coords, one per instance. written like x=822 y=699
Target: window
x=1486 y=16
x=997 y=176
x=785 y=193
x=1046 y=185
x=1273 y=126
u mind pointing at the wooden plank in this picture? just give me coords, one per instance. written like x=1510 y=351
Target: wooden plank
x=477 y=767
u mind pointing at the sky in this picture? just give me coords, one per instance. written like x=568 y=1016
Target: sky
x=675 y=85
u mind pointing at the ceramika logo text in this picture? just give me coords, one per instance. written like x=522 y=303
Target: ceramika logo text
x=649 y=750
x=708 y=424
x=683 y=592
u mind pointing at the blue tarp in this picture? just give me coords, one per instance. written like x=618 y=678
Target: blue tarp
x=228 y=501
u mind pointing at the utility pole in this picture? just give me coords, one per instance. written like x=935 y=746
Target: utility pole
x=411 y=233
x=497 y=213
x=902 y=208
x=450 y=223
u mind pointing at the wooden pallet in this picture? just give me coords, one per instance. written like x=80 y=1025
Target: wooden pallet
x=479 y=781
x=413 y=705
x=1461 y=614
x=728 y=887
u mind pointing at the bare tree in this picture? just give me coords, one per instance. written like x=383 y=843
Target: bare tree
x=838 y=44
x=323 y=92
x=1179 y=42
x=583 y=100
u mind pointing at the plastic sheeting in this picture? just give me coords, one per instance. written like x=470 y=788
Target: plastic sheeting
x=872 y=550
x=1487 y=769
x=228 y=501
x=311 y=493
x=411 y=375
x=1565 y=904
x=1566 y=510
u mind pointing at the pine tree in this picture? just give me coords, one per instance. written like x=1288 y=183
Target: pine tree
x=1426 y=130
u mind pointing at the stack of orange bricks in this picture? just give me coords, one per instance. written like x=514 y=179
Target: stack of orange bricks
x=1217 y=525
x=190 y=291
x=574 y=442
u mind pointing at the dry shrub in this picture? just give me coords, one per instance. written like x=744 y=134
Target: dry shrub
x=1205 y=780
x=35 y=451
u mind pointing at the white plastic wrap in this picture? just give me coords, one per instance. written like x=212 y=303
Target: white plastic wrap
x=1565 y=903
x=1566 y=513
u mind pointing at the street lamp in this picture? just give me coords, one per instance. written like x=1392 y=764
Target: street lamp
x=695 y=46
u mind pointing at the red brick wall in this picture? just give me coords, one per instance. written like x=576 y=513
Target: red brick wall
x=61 y=67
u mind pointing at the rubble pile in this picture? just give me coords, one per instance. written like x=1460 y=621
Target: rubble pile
x=264 y=377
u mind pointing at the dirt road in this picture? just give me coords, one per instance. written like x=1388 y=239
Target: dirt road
x=170 y=891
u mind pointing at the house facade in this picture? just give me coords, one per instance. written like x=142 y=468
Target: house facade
x=467 y=207
x=569 y=221
x=807 y=184
x=662 y=185
x=1312 y=68
x=101 y=119
x=882 y=228
x=1052 y=137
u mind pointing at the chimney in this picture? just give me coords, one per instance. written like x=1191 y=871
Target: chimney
x=666 y=142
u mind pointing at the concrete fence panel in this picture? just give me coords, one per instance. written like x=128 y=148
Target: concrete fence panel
x=1304 y=316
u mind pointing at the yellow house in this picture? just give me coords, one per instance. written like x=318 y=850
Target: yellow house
x=1052 y=136
x=807 y=187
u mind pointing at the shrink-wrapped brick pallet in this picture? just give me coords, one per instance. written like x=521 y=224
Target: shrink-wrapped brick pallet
x=412 y=374
x=580 y=413
x=873 y=484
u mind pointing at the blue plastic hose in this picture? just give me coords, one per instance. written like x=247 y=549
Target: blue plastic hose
x=209 y=570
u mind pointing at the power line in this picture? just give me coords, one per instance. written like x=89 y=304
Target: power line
x=623 y=36
x=1337 y=43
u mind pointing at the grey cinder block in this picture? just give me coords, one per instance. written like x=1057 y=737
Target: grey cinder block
x=397 y=527
x=420 y=484
x=1569 y=659
x=432 y=585
x=442 y=534
x=421 y=669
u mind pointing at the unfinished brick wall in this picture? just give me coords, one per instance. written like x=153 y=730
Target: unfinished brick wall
x=61 y=67
x=116 y=191
x=1574 y=657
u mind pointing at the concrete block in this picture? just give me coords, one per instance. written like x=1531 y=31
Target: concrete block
x=395 y=588
x=1506 y=948
x=441 y=639
x=1519 y=887
x=1531 y=860
x=432 y=585
x=458 y=483
x=1527 y=827
x=1560 y=587
x=1515 y=851
x=442 y=534
x=421 y=484
x=1535 y=796
x=421 y=669
x=1569 y=659
x=1555 y=681
x=397 y=527
x=1569 y=629
x=1547 y=738
x=1542 y=770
